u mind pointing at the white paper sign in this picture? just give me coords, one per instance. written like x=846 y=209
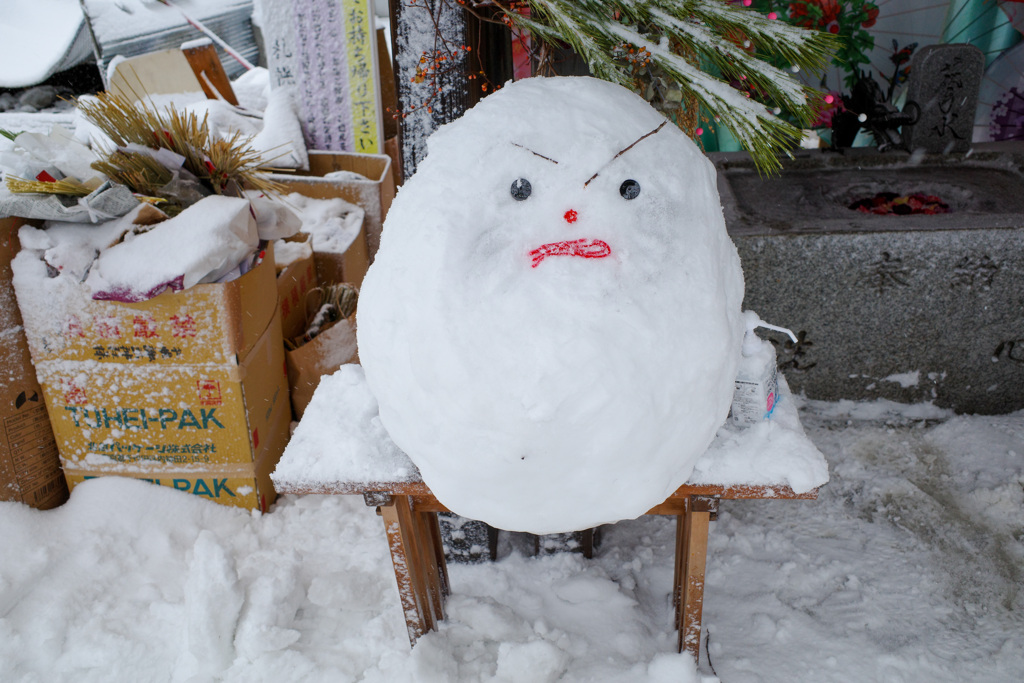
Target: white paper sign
x=327 y=50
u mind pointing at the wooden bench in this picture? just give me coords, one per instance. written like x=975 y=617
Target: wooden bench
x=409 y=510
x=340 y=447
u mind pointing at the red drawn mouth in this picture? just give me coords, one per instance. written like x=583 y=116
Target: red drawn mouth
x=584 y=248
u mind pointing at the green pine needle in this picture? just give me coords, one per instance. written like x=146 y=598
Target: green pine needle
x=625 y=41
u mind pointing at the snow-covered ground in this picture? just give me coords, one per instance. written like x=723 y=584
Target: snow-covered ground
x=906 y=568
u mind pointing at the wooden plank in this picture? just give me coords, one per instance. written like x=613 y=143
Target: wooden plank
x=428 y=503
x=741 y=492
x=209 y=70
x=679 y=569
x=400 y=488
x=438 y=549
x=156 y=73
x=402 y=559
x=428 y=559
x=695 y=550
x=673 y=505
x=418 y=563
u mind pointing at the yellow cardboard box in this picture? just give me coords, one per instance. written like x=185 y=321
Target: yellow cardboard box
x=246 y=486
x=207 y=323
x=116 y=417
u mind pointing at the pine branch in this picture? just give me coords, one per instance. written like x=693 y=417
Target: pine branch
x=703 y=46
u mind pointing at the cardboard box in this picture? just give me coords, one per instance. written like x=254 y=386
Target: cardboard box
x=207 y=323
x=123 y=417
x=246 y=486
x=294 y=282
x=29 y=466
x=373 y=195
x=321 y=356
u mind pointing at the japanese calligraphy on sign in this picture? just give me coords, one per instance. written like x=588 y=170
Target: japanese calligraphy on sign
x=944 y=82
x=327 y=50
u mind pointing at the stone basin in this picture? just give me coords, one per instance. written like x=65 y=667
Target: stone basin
x=911 y=308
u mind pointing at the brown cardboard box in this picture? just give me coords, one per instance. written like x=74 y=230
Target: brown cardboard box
x=207 y=323
x=294 y=281
x=29 y=467
x=373 y=195
x=326 y=352
x=174 y=422
x=321 y=356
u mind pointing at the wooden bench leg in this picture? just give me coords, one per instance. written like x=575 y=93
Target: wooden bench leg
x=691 y=558
x=437 y=547
x=415 y=542
x=435 y=572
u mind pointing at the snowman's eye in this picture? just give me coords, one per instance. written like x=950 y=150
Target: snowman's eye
x=521 y=189
x=629 y=189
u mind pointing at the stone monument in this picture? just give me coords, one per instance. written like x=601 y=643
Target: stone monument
x=944 y=83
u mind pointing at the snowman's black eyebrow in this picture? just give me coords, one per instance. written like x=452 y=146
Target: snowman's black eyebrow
x=516 y=144
x=623 y=151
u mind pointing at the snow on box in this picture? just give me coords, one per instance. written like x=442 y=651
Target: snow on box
x=365 y=180
x=206 y=323
x=185 y=387
x=552 y=323
x=337 y=228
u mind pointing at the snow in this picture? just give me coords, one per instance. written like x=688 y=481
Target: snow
x=905 y=379
x=30 y=55
x=348 y=443
x=536 y=390
x=341 y=440
x=333 y=223
x=906 y=569
x=202 y=244
x=118 y=20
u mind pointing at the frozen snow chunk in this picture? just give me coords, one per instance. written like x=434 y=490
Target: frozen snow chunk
x=201 y=244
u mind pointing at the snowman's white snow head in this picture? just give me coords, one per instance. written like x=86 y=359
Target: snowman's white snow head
x=552 y=323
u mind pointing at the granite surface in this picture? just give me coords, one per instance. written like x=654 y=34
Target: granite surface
x=908 y=308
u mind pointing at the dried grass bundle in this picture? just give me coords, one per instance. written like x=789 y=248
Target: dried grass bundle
x=141 y=172
x=334 y=303
x=68 y=187
x=223 y=166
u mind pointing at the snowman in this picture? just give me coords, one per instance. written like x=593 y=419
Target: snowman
x=552 y=323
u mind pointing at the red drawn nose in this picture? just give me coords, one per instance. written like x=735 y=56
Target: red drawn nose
x=571 y=216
